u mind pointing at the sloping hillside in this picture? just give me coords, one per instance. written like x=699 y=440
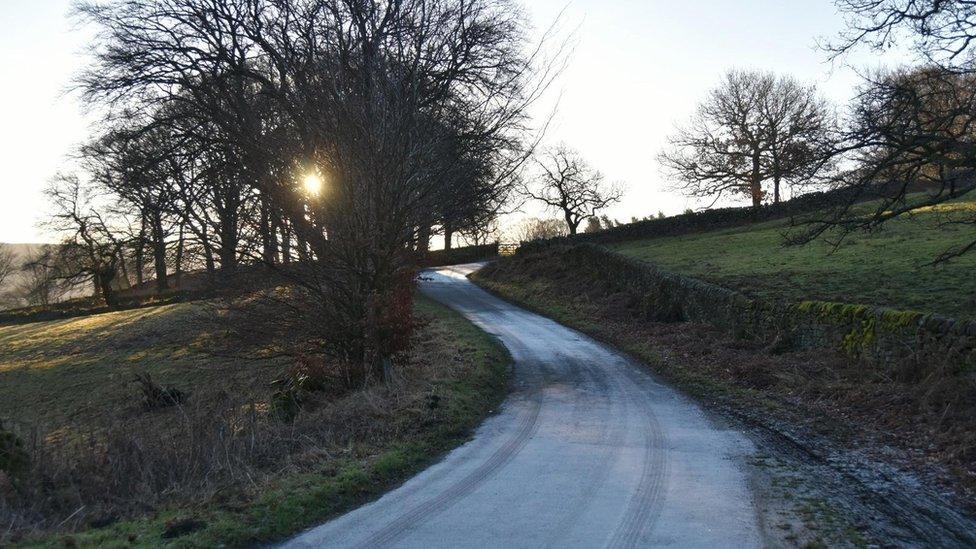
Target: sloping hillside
x=233 y=459
x=886 y=268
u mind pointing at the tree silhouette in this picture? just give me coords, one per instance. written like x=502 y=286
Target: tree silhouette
x=753 y=130
x=568 y=185
x=397 y=105
x=911 y=140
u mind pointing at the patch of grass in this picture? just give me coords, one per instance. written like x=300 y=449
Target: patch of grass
x=361 y=444
x=820 y=517
x=885 y=268
x=66 y=374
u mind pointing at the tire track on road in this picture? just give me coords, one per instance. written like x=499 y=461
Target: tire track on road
x=610 y=441
x=647 y=500
x=422 y=511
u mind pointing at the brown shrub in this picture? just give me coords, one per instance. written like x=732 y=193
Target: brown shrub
x=156 y=396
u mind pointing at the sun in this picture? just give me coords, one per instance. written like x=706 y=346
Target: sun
x=312 y=184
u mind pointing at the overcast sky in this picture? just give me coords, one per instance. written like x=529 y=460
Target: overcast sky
x=639 y=67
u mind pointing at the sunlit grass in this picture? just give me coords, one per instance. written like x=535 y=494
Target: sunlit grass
x=948 y=207
x=889 y=267
x=66 y=373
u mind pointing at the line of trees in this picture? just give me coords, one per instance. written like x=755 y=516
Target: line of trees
x=412 y=112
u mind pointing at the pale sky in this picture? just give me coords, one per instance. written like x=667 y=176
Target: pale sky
x=639 y=67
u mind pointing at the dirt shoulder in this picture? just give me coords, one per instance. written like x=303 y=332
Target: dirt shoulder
x=848 y=455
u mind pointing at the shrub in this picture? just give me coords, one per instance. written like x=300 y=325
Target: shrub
x=286 y=403
x=311 y=373
x=156 y=396
x=13 y=457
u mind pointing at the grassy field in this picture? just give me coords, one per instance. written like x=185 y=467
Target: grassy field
x=65 y=375
x=70 y=384
x=884 y=268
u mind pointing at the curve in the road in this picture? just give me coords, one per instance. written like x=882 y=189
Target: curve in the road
x=589 y=450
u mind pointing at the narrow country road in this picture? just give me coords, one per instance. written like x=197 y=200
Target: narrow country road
x=588 y=451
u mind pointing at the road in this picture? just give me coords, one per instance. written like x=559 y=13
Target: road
x=589 y=450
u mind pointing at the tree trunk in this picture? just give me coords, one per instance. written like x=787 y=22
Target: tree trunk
x=208 y=253
x=303 y=254
x=228 y=247
x=269 y=240
x=141 y=254
x=104 y=284
x=228 y=259
x=755 y=186
x=159 y=255
x=124 y=276
x=448 y=237
x=227 y=230
x=285 y=243
x=208 y=257
x=423 y=240
x=573 y=227
x=275 y=229
x=179 y=258
x=776 y=177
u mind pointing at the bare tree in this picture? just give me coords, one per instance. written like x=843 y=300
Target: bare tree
x=755 y=129
x=132 y=163
x=8 y=263
x=479 y=193
x=482 y=234
x=910 y=140
x=942 y=32
x=38 y=283
x=534 y=228
x=911 y=145
x=568 y=185
x=90 y=252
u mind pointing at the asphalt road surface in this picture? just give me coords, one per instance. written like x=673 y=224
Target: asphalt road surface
x=589 y=450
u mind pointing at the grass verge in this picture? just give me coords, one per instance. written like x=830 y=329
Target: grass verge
x=339 y=452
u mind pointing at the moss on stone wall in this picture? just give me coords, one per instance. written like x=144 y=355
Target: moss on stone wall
x=861 y=331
